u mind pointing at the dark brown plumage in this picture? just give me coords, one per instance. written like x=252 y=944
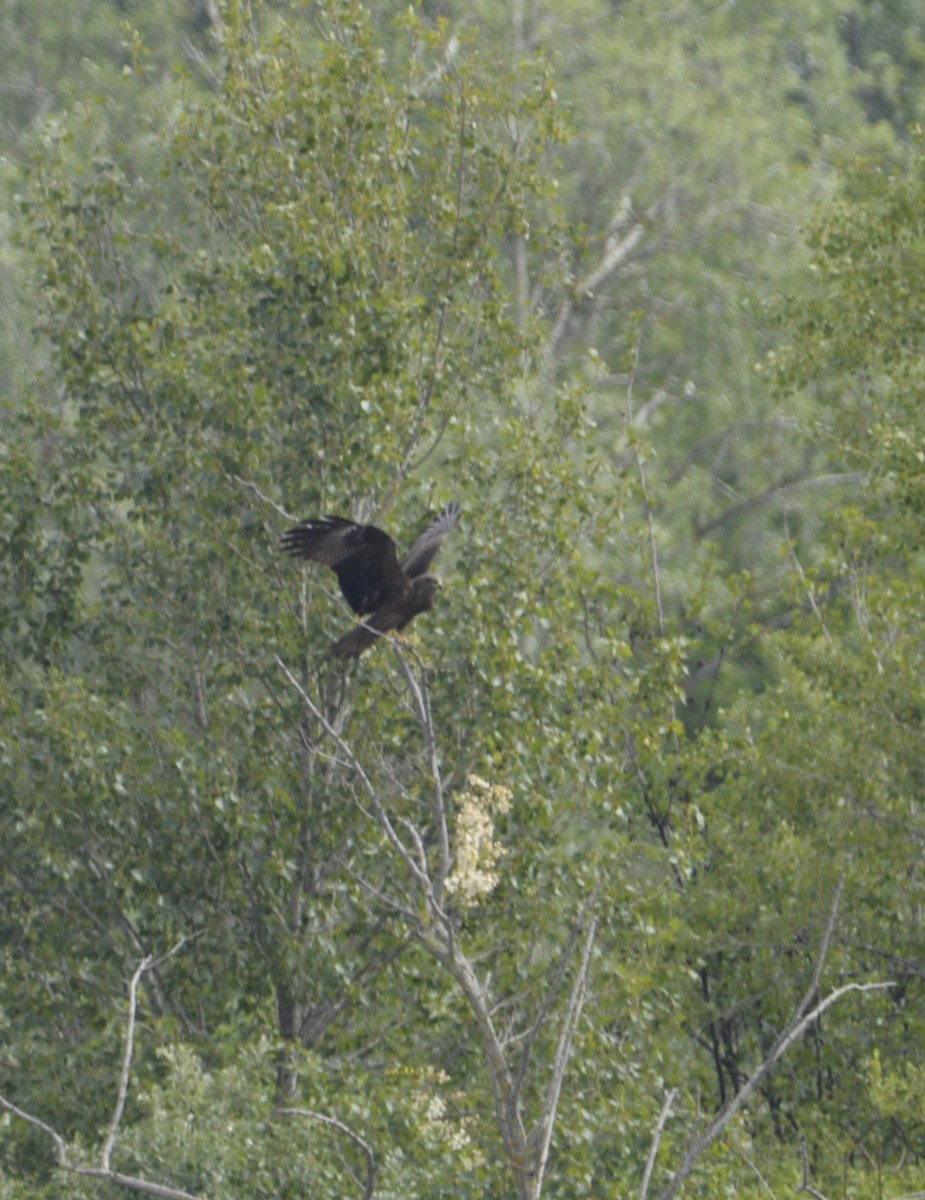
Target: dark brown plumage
x=379 y=587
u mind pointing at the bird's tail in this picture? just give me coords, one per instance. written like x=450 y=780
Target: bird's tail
x=352 y=644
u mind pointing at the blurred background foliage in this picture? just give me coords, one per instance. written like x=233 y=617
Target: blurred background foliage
x=641 y=286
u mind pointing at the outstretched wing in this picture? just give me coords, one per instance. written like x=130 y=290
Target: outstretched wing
x=421 y=554
x=364 y=558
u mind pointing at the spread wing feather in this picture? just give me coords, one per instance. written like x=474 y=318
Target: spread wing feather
x=421 y=554
x=363 y=557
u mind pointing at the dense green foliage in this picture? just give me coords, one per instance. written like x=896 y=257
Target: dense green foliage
x=672 y=689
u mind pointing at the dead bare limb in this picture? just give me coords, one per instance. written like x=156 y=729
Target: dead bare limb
x=805 y=1186
x=564 y=1045
x=127 y=1053
x=104 y=1171
x=626 y=231
x=408 y=856
x=656 y=1142
x=795 y=1027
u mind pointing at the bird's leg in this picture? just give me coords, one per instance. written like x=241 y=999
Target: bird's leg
x=406 y=639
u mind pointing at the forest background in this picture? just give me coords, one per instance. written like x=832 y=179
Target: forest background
x=610 y=884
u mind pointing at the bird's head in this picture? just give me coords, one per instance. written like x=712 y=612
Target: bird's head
x=428 y=585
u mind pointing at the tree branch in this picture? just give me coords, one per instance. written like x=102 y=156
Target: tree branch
x=805 y=1186
x=133 y=1183
x=60 y=1147
x=563 y=1050
x=426 y=724
x=433 y=928
x=616 y=251
x=354 y=1137
x=127 y=1052
x=549 y=1000
x=382 y=817
x=795 y=1027
x=104 y=1171
x=777 y=491
x=656 y=1142
x=145 y=965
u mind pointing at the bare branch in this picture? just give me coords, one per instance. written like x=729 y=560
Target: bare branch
x=805 y=1186
x=348 y=1133
x=145 y=965
x=126 y=1063
x=656 y=1142
x=506 y=1096
x=827 y=934
x=134 y=1184
x=426 y=725
x=433 y=929
x=616 y=251
x=817 y=1012
x=415 y=835
x=754 y=1166
x=252 y=487
x=647 y=501
x=790 y=1035
x=777 y=491
x=104 y=1171
x=60 y=1147
x=796 y=1026
x=552 y=993
x=563 y=1050
x=356 y=766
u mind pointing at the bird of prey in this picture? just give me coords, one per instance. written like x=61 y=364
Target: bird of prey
x=387 y=592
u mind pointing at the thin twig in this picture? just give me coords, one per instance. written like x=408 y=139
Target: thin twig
x=426 y=724
x=60 y=1147
x=805 y=1186
x=552 y=994
x=348 y=1133
x=777 y=491
x=252 y=487
x=382 y=817
x=646 y=499
x=754 y=1166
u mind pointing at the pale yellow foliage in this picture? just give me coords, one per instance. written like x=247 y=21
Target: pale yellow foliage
x=432 y=1109
x=476 y=854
